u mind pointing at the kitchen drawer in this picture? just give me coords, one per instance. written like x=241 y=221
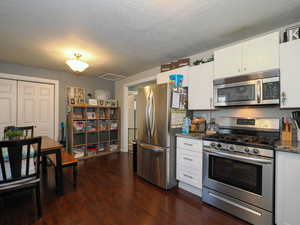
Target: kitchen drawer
x=193 y=178
x=189 y=159
x=189 y=144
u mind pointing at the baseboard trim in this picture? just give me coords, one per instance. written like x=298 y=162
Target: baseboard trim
x=190 y=188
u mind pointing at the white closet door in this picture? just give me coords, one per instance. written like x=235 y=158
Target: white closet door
x=36 y=107
x=8 y=104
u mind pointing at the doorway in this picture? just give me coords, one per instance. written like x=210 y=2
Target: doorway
x=132 y=113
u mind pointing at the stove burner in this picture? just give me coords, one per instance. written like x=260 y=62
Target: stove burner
x=243 y=139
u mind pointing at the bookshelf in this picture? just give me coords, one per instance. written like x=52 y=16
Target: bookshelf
x=93 y=131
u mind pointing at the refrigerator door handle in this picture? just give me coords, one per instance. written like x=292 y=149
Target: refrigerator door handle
x=152 y=148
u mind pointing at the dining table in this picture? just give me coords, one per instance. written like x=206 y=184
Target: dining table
x=51 y=146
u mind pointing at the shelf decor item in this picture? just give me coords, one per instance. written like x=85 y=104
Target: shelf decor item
x=75 y=95
x=93 y=131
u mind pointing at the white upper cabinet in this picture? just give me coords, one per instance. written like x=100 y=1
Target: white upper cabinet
x=289 y=74
x=228 y=61
x=255 y=55
x=261 y=53
x=163 y=78
x=200 y=94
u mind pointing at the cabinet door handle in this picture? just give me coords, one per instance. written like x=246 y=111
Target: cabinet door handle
x=239 y=70
x=188 y=144
x=245 y=68
x=188 y=176
x=188 y=159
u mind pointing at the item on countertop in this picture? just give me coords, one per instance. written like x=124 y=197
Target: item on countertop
x=286 y=130
x=198 y=125
x=296 y=119
x=212 y=127
x=113 y=103
x=186 y=125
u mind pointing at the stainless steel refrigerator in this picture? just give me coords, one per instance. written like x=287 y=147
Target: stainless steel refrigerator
x=156 y=138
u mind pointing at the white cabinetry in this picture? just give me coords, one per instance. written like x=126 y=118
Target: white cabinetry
x=189 y=164
x=228 y=61
x=261 y=54
x=289 y=74
x=287 y=188
x=163 y=78
x=200 y=94
x=255 y=55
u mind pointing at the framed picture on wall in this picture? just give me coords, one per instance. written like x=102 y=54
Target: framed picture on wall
x=75 y=95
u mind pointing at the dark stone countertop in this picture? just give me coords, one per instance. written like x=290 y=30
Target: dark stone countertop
x=287 y=146
x=198 y=136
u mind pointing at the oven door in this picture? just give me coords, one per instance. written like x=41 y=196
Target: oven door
x=249 y=179
x=242 y=93
x=270 y=90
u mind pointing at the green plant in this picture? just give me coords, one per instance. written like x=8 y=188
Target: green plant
x=14 y=133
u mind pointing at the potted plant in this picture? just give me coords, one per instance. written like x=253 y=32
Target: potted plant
x=14 y=134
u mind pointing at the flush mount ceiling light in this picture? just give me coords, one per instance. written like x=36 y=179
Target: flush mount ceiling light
x=76 y=65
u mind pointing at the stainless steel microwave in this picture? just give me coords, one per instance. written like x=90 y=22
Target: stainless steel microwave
x=247 y=90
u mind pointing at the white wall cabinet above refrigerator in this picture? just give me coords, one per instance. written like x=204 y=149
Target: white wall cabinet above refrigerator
x=200 y=94
x=251 y=56
x=289 y=74
x=163 y=78
x=287 y=188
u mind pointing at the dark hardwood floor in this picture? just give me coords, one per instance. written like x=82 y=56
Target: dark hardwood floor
x=109 y=194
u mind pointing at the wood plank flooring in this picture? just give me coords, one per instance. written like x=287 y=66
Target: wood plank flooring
x=109 y=194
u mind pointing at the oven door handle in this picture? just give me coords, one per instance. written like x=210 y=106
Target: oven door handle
x=227 y=155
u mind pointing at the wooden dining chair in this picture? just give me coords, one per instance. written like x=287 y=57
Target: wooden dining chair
x=28 y=131
x=19 y=167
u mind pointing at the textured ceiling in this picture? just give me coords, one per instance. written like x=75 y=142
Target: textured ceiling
x=129 y=36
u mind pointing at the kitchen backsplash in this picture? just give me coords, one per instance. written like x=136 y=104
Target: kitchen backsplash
x=263 y=111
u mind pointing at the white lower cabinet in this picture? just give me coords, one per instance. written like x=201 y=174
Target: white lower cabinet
x=287 y=188
x=189 y=164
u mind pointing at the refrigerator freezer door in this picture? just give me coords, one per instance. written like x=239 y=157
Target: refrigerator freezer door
x=153 y=115
x=153 y=164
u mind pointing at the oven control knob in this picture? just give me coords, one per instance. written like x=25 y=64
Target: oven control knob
x=255 y=151
x=231 y=148
x=247 y=150
x=213 y=145
x=219 y=145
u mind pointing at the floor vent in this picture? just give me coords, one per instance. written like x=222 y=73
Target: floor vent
x=111 y=76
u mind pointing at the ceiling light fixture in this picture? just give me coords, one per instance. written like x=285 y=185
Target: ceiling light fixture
x=76 y=65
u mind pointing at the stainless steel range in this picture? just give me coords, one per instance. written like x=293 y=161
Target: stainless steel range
x=238 y=168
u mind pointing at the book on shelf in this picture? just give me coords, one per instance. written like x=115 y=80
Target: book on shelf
x=78 y=152
x=91 y=126
x=78 y=126
x=114 y=125
x=103 y=125
x=91 y=115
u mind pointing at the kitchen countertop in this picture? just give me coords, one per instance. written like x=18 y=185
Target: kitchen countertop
x=193 y=135
x=287 y=146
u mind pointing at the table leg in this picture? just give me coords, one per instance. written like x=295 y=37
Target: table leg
x=44 y=164
x=59 y=174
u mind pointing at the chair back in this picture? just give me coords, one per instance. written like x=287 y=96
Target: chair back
x=20 y=159
x=27 y=131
